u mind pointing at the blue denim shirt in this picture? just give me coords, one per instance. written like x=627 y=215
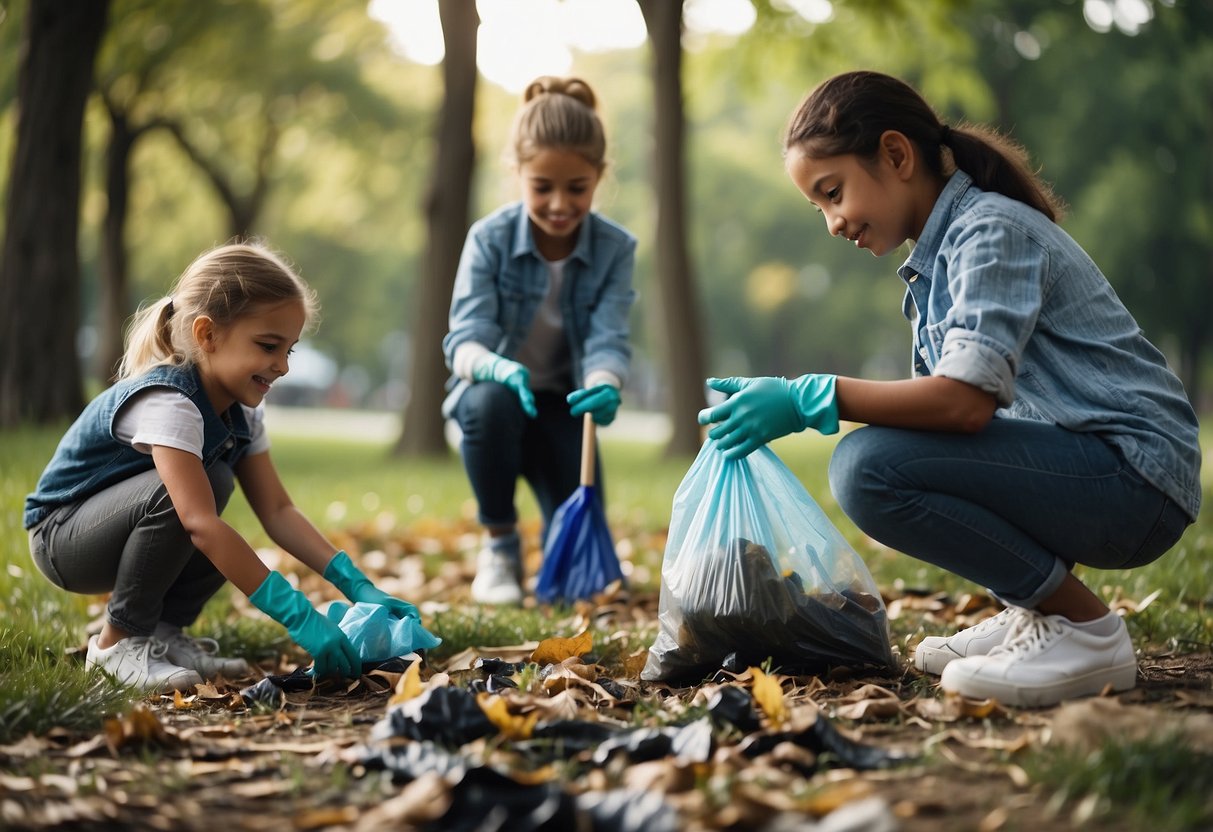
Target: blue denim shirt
x=1005 y=300
x=89 y=459
x=502 y=280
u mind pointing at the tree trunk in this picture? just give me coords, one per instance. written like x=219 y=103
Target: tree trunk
x=447 y=207
x=679 y=304
x=40 y=377
x=114 y=303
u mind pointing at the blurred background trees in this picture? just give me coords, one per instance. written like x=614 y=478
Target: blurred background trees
x=306 y=123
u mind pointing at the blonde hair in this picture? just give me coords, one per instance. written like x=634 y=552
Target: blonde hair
x=558 y=113
x=223 y=284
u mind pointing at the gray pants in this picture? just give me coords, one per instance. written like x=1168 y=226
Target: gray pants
x=128 y=540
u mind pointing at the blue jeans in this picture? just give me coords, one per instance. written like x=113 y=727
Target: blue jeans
x=1012 y=508
x=128 y=540
x=500 y=444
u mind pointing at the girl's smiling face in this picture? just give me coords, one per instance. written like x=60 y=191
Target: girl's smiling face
x=877 y=204
x=240 y=362
x=558 y=191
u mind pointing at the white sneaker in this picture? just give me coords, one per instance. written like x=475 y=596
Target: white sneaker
x=139 y=661
x=198 y=654
x=497 y=578
x=1047 y=660
x=935 y=652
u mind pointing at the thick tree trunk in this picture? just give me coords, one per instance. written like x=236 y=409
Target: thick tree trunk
x=447 y=207
x=114 y=300
x=679 y=304
x=40 y=377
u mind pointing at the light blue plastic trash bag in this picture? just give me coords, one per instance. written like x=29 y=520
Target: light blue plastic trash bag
x=376 y=634
x=753 y=569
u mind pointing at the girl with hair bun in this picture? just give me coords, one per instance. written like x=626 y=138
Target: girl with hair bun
x=1040 y=429
x=538 y=325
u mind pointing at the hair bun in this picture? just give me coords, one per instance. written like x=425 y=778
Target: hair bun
x=574 y=88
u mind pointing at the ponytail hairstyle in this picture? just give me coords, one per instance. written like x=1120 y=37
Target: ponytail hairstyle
x=223 y=284
x=847 y=114
x=558 y=114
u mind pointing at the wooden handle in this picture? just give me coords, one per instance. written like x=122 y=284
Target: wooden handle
x=587 y=450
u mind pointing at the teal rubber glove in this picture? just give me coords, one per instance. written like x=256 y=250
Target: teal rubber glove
x=601 y=400
x=761 y=409
x=330 y=649
x=513 y=375
x=356 y=586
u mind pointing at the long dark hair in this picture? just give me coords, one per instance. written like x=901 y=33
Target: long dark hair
x=847 y=114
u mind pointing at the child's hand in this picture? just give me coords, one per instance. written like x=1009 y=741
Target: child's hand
x=762 y=409
x=601 y=400
x=493 y=367
x=331 y=651
x=356 y=586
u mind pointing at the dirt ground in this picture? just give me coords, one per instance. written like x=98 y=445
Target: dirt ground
x=211 y=762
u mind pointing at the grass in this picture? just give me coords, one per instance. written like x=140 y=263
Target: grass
x=343 y=484
x=1163 y=783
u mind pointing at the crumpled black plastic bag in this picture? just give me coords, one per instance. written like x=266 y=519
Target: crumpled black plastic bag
x=448 y=716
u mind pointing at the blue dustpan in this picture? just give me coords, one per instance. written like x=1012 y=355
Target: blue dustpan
x=579 y=557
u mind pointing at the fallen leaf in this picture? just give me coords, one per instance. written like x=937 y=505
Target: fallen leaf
x=408 y=686
x=556 y=650
x=769 y=696
x=498 y=712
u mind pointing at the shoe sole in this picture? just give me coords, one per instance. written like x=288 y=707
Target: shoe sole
x=1121 y=678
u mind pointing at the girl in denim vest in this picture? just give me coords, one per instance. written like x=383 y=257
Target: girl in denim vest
x=130 y=502
x=1040 y=429
x=538 y=325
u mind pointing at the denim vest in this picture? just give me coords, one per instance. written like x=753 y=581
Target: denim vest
x=1003 y=299
x=89 y=459
x=503 y=279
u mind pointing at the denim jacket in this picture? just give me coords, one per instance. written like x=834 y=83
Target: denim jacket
x=502 y=280
x=1003 y=299
x=89 y=459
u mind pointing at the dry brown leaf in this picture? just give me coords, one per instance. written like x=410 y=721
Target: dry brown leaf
x=564 y=705
x=408 y=686
x=633 y=664
x=869 y=701
x=556 y=650
x=184 y=703
x=498 y=712
x=834 y=795
x=566 y=675
x=324 y=817
x=138 y=726
x=208 y=691
x=769 y=696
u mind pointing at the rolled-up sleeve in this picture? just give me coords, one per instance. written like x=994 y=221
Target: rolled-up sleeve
x=474 y=301
x=996 y=275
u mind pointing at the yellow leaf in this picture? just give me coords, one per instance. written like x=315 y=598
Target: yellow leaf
x=408 y=686
x=498 y=712
x=556 y=650
x=769 y=695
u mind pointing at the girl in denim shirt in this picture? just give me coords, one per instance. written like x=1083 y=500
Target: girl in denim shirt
x=538 y=326
x=1040 y=429
x=130 y=502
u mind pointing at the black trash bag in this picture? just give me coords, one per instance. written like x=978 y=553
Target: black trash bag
x=822 y=738
x=448 y=716
x=753 y=569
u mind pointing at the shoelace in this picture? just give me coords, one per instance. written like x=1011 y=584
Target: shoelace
x=190 y=644
x=1033 y=632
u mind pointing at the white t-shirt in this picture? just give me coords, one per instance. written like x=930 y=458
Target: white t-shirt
x=545 y=350
x=163 y=416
